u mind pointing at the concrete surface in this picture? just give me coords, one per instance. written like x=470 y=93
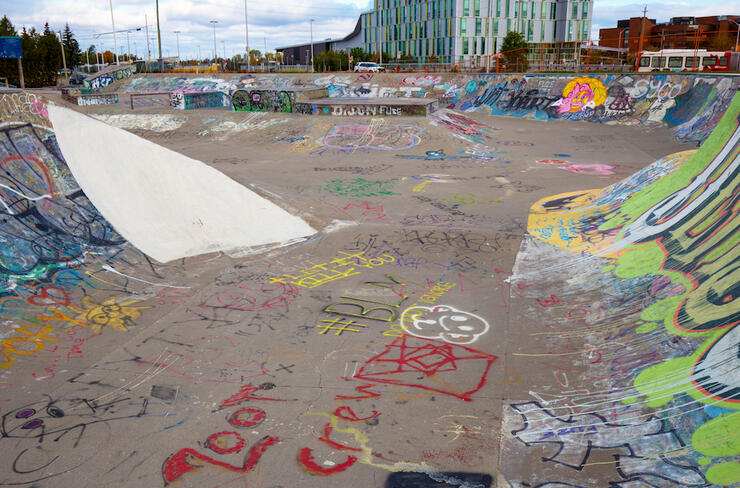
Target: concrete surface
x=475 y=311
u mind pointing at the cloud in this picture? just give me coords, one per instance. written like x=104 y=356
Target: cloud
x=276 y=23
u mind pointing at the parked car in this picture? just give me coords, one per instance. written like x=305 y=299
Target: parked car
x=368 y=66
x=77 y=78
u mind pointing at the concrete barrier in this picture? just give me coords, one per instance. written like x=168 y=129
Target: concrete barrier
x=689 y=104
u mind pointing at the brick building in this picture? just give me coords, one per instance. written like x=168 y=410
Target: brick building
x=711 y=33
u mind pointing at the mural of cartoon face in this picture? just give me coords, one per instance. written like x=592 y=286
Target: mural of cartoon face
x=444 y=322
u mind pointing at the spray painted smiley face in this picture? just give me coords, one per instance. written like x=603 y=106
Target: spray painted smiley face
x=444 y=322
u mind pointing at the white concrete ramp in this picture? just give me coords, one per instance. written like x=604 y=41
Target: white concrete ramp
x=167 y=205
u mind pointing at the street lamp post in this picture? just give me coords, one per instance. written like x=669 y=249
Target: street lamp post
x=215 y=53
x=737 y=38
x=311 y=23
x=159 y=42
x=148 y=50
x=113 y=24
x=128 y=43
x=246 y=32
x=64 y=59
x=177 y=34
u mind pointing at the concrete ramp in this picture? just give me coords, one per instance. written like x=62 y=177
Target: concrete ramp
x=639 y=314
x=167 y=205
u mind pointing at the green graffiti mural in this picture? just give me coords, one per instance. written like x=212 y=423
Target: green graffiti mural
x=682 y=226
x=360 y=187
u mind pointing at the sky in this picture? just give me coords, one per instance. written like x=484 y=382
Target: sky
x=272 y=23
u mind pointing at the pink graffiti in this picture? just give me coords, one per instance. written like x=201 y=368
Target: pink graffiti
x=589 y=169
x=40 y=108
x=580 y=97
x=425 y=80
x=552 y=161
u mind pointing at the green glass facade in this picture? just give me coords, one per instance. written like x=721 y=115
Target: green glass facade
x=465 y=30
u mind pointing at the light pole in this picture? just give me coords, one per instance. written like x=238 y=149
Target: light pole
x=662 y=38
x=113 y=24
x=246 y=31
x=159 y=42
x=311 y=23
x=380 y=48
x=199 y=58
x=148 y=51
x=215 y=53
x=64 y=59
x=737 y=38
x=128 y=43
x=177 y=34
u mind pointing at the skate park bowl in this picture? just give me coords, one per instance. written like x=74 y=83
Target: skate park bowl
x=371 y=280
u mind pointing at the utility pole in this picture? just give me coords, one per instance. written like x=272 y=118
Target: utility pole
x=148 y=51
x=128 y=43
x=159 y=42
x=177 y=34
x=311 y=23
x=113 y=24
x=246 y=32
x=64 y=59
x=215 y=53
x=642 y=33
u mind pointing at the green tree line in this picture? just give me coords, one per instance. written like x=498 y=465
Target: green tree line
x=42 y=54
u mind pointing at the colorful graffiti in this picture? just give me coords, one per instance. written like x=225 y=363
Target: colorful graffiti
x=581 y=94
x=676 y=223
x=262 y=101
x=378 y=135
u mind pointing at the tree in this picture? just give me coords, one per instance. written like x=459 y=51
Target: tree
x=331 y=61
x=358 y=55
x=71 y=47
x=514 y=50
x=8 y=67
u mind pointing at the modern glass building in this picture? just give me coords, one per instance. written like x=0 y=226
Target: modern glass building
x=465 y=30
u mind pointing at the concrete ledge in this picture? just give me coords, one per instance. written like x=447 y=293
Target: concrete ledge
x=375 y=106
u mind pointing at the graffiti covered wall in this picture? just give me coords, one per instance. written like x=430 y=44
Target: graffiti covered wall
x=187 y=101
x=690 y=105
x=655 y=259
x=108 y=76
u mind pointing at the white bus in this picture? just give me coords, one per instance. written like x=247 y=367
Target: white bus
x=687 y=60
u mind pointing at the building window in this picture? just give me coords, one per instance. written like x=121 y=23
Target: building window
x=575 y=11
x=466 y=42
x=478 y=26
x=483 y=45
x=477 y=8
x=463 y=26
x=466 y=7
x=532 y=10
x=584 y=13
x=498 y=8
